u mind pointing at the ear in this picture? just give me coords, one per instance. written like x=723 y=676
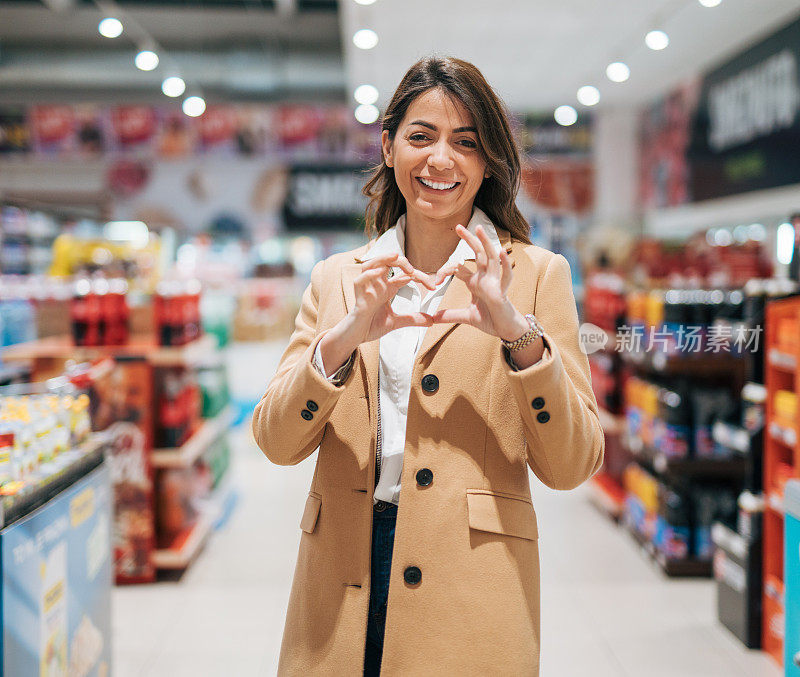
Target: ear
x=386 y=145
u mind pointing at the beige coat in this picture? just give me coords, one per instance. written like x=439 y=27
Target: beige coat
x=472 y=531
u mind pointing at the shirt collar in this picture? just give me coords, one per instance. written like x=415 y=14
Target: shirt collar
x=393 y=240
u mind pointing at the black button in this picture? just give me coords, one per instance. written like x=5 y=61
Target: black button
x=430 y=384
x=424 y=477
x=412 y=575
x=543 y=417
x=306 y=414
x=312 y=406
x=537 y=403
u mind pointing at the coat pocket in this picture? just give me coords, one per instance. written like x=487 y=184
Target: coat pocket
x=309 y=520
x=502 y=514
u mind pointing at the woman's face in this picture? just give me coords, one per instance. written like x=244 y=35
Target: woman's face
x=436 y=156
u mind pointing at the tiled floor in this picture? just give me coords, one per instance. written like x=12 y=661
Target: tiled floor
x=606 y=611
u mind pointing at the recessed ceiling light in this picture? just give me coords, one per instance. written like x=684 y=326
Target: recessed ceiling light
x=365 y=38
x=366 y=114
x=110 y=27
x=364 y=2
x=656 y=40
x=588 y=95
x=146 y=60
x=710 y=3
x=618 y=72
x=565 y=116
x=366 y=94
x=194 y=106
x=173 y=86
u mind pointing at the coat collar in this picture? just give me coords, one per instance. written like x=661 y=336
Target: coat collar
x=457 y=295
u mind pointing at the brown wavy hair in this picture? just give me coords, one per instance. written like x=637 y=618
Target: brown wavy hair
x=464 y=82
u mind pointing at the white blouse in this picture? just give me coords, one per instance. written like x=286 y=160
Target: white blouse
x=399 y=348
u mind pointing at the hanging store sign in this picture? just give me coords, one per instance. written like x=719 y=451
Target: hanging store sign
x=325 y=197
x=747 y=129
x=735 y=130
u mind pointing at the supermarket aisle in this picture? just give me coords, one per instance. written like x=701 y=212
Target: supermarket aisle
x=606 y=611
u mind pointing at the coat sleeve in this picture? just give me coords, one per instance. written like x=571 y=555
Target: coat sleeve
x=564 y=439
x=289 y=421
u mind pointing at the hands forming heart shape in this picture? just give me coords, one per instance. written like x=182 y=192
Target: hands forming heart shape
x=489 y=309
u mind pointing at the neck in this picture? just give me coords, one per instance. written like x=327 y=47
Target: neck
x=430 y=242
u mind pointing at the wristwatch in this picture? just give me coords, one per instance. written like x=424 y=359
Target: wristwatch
x=528 y=337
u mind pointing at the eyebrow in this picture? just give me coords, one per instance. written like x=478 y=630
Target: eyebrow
x=422 y=123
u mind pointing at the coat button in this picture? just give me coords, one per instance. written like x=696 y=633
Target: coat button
x=543 y=417
x=430 y=384
x=306 y=414
x=537 y=403
x=424 y=477
x=311 y=405
x=412 y=575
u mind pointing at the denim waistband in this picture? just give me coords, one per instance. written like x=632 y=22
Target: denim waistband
x=389 y=512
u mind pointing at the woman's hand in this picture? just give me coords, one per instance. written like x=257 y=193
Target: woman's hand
x=490 y=310
x=372 y=312
x=372 y=315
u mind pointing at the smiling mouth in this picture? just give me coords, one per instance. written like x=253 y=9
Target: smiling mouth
x=438 y=186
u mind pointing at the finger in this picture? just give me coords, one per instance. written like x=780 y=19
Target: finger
x=471 y=240
x=488 y=246
x=379 y=261
x=410 y=320
x=474 y=243
x=446 y=270
x=446 y=315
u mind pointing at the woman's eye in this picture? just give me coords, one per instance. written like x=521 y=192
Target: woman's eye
x=469 y=143
x=418 y=137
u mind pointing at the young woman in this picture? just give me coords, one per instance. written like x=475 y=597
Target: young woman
x=442 y=357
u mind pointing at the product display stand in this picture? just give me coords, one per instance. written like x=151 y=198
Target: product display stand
x=781 y=460
x=148 y=481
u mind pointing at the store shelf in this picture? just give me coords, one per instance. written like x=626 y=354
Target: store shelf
x=185 y=455
x=607 y=494
x=65 y=470
x=187 y=545
x=710 y=364
x=782 y=434
x=781 y=359
x=660 y=464
x=197 y=353
x=689 y=567
x=731 y=437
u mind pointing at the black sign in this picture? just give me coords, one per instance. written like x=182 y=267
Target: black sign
x=325 y=197
x=746 y=134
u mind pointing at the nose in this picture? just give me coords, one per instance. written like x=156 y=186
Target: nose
x=441 y=157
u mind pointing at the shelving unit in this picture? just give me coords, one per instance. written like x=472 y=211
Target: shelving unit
x=781 y=453
x=139 y=468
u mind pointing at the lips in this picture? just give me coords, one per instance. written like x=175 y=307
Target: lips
x=437 y=186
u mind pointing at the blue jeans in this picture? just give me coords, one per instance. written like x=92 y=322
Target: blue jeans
x=383 y=523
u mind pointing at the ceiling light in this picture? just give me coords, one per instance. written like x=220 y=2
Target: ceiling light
x=588 y=95
x=364 y=2
x=366 y=94
x=110 y=27
x=566 y=116
x=146 y=60
x=656 y=40
x=365 y=38
x=173 y=86
x=618 y=72
x=194 y=106
x=366 y=114
x=710 y=3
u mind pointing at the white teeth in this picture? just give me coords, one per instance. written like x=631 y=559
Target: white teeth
x=437 y=186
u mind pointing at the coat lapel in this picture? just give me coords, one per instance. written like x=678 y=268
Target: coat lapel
x=456 y=296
